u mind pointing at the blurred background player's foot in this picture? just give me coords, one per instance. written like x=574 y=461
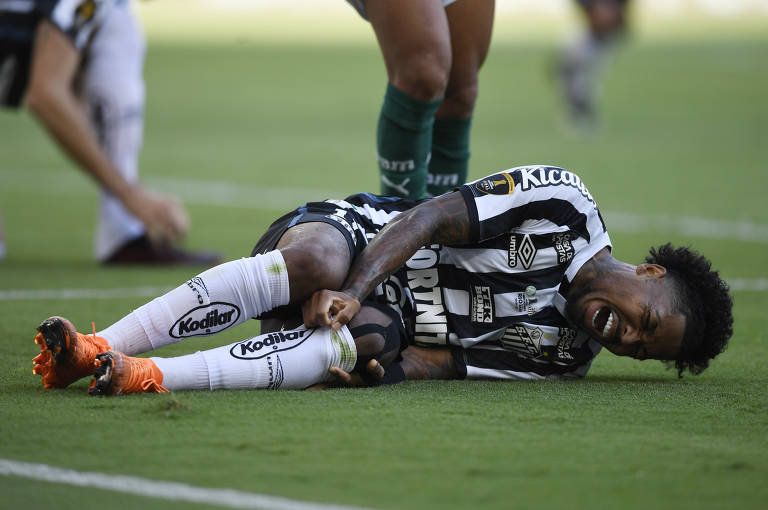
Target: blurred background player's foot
x=65 y=355
x=118 y=374
x=142 y=251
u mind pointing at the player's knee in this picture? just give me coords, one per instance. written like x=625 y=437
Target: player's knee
x=313 y=269
x=378 y=333
x=459 y=102
x=422 y=76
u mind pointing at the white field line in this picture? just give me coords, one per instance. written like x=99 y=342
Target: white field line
x=736 y=284
x=159 y=489
x=70 y=294
x=283 y=199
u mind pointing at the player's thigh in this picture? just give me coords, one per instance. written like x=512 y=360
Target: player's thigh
x=317 y=256
x=415 y=42
x=471 y=24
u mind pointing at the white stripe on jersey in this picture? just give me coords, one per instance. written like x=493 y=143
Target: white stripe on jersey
x=379 y=217
x=492 y=373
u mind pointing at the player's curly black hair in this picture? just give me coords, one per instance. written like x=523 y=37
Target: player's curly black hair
x=702 y=296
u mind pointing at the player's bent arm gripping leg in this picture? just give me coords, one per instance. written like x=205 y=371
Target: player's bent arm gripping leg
x=444 y=220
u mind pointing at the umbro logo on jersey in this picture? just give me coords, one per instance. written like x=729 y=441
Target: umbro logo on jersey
x=499 y=184
x=257 y=348
x=205 y=320
x=539 y=177
x=521 y=250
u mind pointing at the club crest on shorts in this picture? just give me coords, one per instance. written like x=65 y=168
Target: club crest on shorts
x=205 y=320
x=499 y=184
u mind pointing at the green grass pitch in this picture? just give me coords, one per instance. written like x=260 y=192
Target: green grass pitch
x=684 y=134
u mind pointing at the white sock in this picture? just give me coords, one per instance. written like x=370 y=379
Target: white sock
x=213 y=301
x=289 y=360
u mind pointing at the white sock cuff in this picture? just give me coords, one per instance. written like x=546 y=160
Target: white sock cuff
x=277 y=278
x=344 y=351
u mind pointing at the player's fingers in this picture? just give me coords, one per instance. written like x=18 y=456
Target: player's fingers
x=315 y=310
x=345 y=314
x=375 y=369
x=341 y=376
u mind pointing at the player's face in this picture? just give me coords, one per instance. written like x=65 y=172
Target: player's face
x=631 y=313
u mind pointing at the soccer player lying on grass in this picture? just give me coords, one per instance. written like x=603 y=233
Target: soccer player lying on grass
x=509 y=277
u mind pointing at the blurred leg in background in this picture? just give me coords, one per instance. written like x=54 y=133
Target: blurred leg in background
x=470 y=25
x=432 y=50
x=585 y=57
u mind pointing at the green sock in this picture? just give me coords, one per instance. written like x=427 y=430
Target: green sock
x=450 y=155
x=404 y=138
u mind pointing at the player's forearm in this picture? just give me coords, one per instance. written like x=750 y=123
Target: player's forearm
x=64 y=118
x=432 y=363
x=444 y=220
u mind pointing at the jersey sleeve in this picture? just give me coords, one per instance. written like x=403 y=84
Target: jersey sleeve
x=531 y=197
x=78 y=19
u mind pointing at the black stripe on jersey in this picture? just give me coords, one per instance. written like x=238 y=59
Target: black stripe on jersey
x=474 y=220
x=560 y=212
x=453 y=277
x=382 y=203
x=495 y=359
x=465 y=328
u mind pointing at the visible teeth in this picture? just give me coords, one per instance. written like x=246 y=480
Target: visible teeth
x=594 y=319
x=608 y=325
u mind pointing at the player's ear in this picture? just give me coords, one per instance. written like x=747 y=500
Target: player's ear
x=651 y=270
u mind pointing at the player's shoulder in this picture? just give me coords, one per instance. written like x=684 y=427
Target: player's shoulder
x=529 y=178
x=77 y=18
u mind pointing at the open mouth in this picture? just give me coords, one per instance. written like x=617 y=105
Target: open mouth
x=603 y=321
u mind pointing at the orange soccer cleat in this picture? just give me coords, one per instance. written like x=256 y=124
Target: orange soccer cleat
x=118 y=374
x=65 y=355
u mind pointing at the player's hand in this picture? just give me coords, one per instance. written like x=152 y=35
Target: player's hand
x=329 y=308
x=164 y=217
x=344 y=379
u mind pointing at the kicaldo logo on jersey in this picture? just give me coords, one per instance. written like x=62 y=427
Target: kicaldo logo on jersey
x=431 y=325
x=539 y=177
x=205 y=320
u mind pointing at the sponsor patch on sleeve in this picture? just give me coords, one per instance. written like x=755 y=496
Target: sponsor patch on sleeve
x=498 y=184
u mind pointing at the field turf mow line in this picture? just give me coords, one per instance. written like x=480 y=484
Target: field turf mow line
x=736 y=284
x=173 y=491
x=280 y=198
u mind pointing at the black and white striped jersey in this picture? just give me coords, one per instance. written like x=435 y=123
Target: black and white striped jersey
x=18 y=22
x=498 y=297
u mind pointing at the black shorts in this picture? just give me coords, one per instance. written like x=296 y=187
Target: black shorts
x=350 y=226
x=16 y=36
